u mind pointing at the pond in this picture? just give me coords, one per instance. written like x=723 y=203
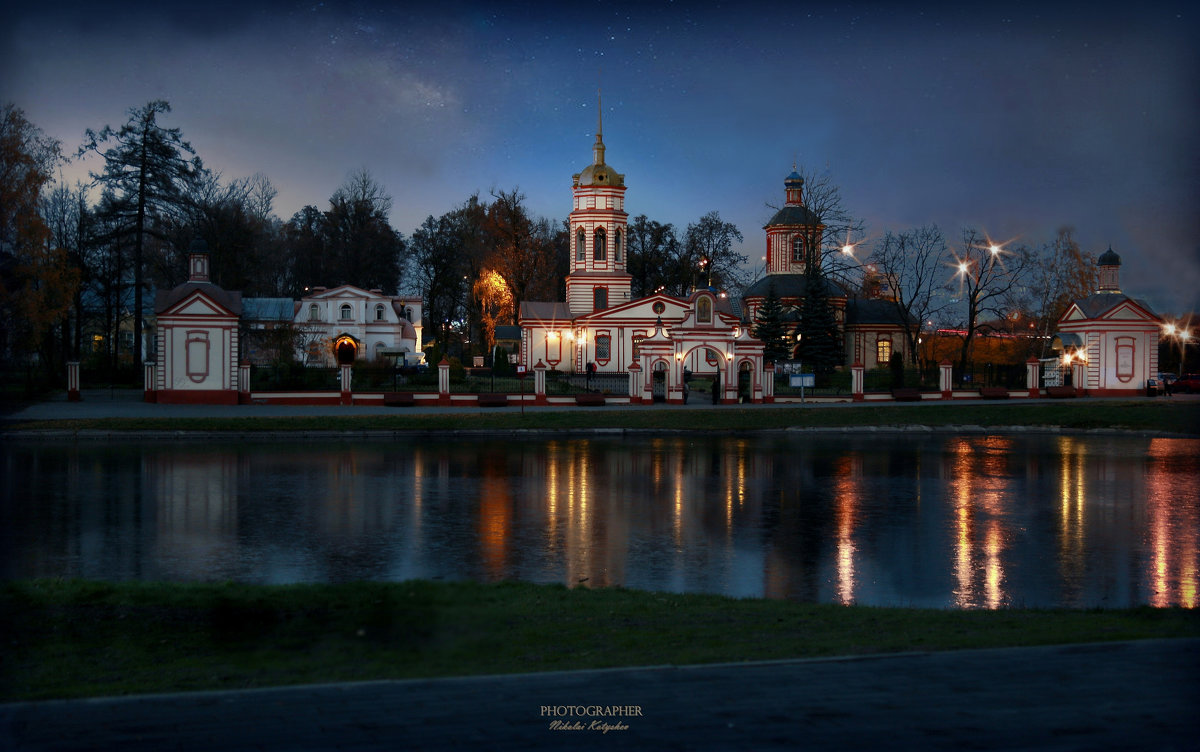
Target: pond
x=933 y=520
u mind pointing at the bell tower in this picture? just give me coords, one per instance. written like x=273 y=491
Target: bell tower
x=598 y=219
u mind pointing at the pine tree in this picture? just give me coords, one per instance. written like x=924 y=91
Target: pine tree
x=146 y=171
x=820 y=340
x=771 y=329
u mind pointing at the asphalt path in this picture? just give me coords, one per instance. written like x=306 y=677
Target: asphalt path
x=1118 y=696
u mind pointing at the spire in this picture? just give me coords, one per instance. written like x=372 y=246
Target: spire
x=598 y=147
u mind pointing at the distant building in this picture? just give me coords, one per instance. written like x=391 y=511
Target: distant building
x=1108 y=339
x=347 y=324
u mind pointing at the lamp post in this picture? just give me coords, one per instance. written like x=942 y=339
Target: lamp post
x=1182 y=337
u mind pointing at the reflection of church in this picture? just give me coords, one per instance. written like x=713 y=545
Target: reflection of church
x=600 y=325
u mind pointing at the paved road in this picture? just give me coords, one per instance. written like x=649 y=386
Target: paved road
x=1121 y=695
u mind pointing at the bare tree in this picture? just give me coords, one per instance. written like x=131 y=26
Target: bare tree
x=989 y=279
x=1060 y=272
x=913 y=266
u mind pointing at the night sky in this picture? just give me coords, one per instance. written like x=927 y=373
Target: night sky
x=1014 y=118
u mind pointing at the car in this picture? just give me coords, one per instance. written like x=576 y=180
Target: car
x=1189 y=382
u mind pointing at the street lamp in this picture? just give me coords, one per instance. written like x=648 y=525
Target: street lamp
x=1182 y=337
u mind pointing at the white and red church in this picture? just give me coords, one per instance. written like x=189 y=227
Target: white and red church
x=656 y=338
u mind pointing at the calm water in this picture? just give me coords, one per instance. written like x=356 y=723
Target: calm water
x=943 y=521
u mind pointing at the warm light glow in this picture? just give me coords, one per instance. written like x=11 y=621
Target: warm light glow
x=847 y=249
x=1169 y=330
x=994 y=249
x=962 y=267
x=552 y=335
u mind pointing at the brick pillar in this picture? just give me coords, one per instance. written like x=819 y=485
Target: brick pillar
x=73 y=381
x=768 y=384
x=539 y=383
x=946 y=379
x=346 y=375
x=148 y=378
x=444 y=382
x=635 y=383
x=1078 y=376
x=856 y=382
x=243 y=383
x=1032 y=376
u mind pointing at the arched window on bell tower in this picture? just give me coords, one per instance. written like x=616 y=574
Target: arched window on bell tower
x=581 y=246
x=617 y=247
x=600 y=246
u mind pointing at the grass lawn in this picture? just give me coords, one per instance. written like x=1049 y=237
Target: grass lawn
x=78 y=638
x=1158 y=415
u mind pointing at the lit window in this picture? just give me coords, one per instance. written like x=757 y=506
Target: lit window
x=600 y=248
x=345 y=312
x=883 y=351
x=637 y=343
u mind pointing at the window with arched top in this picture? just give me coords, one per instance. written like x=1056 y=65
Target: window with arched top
x=704 y=310
x=379 y=313
x=599 y=298
x=345 y=312
x=314 y=312
x=408 y=314
x=797 y=248
x=581 y=246
x=617 y=246
x=600 y=246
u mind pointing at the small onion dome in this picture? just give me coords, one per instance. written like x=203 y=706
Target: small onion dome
x=1109 y=258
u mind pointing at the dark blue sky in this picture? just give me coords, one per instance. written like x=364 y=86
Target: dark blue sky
x=1014 y=118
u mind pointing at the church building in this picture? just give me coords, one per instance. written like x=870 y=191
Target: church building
x=872 y=327
x=1109 y=340
x=599 y=326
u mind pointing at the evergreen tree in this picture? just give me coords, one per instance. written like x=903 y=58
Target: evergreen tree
x=146 y=171
x=820 y=340
x=771 y=328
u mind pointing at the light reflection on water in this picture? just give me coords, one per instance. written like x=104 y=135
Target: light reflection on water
x=943 y=521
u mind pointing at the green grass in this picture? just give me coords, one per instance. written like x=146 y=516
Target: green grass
x=78 y=638
x=1158 y=415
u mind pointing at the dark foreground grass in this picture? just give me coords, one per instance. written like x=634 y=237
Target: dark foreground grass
x=1149 y=415
x=77 y=638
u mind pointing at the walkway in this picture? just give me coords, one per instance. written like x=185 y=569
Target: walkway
x=1122 y=695
x=104 y=403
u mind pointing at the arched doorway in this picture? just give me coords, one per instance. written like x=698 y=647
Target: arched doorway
x=346 y=350
x=659 y=384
